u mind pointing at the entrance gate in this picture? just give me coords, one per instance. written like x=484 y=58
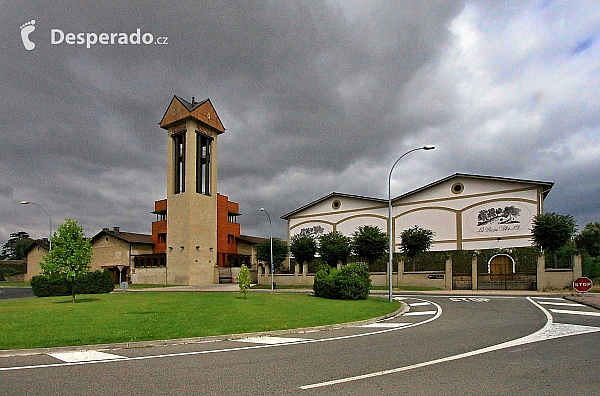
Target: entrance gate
x=501 y=275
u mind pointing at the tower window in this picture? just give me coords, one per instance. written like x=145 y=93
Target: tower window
x=179 y=159
x=203 y=143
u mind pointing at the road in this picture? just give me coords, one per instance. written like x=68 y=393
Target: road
x=442 y=345
x=7 y=292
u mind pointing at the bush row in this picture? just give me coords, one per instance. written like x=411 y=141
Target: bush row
x=9 y=268
x=351 y=282
x=94 y=282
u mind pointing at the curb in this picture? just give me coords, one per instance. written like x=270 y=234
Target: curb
x=195 y=340
x=585 y=301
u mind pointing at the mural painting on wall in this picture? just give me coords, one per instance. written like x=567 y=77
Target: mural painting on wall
x=499 y=219
x=315 y=231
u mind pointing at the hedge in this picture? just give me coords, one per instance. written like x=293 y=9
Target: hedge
x=351 y=282
x=95 y=282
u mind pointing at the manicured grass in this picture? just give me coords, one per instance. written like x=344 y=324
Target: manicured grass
x=126 y=317
x=15 y=284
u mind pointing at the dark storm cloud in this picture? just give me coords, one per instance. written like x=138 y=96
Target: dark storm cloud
x=316 y=96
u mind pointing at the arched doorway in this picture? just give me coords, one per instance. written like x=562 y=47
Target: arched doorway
x=501 y=264
x=502 y=275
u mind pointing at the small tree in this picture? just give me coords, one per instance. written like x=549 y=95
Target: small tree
x=70 y=255
x=304 y=248
x=263 y=252
x=369 y=243
x=334 y=247
x=244 y=279
x=552 y=231
x=415 y=241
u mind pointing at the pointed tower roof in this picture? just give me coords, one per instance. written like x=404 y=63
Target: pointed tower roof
x=180 y=109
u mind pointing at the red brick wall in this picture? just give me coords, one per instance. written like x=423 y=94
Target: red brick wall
x=225 y=244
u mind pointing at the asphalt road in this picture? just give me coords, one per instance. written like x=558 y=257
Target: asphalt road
x=443 y=345
x=7 y=292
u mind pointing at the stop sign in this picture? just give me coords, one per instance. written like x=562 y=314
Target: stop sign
x=582 y=284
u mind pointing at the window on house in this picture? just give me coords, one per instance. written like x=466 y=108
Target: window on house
x=203 y=143
x=179 y=159
x=232 y=218
x=230 y=238
x=162 y=238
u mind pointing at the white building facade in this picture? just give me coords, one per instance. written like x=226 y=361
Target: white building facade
x=466 y=212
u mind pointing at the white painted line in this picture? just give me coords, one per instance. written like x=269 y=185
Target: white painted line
x=421 y=313
x=549 y=298
x=399 y=298
x=564 y=311
x=236 y=349
x=549 y=331
x=386 y=325
x=84 y=356
x=564 y=304
x=420 y=304
x=271 y=340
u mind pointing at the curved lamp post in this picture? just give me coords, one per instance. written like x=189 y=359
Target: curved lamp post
x=49 y=218
x=271 y=240
x=390 y=236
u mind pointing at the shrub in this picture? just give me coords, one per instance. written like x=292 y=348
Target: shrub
x=351 y=282
x=95 y=282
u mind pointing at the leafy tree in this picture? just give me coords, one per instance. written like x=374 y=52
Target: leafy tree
x=304 y=248
x=70 y=255
x=263 y=252
x=244 y=279
x=551 y=231
x=15 y=247
x=589 y=239
x=334 y=247
x=415 y=241
x=369 y=243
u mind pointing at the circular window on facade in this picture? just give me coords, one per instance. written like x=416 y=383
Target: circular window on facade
x=336 y=204
x=457 y=188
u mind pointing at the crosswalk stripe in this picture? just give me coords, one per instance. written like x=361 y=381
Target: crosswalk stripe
x=386 y=325
x=564 y=311
x=561 y=304
x=84 y=356
x=420 y=313
x=271 y=340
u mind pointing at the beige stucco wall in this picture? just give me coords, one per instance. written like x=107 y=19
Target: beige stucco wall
x=149 y=276
x=34 y=257
x=111 y=251
x=453 y=217
x=192 y=217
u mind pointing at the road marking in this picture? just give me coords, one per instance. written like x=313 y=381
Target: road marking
x=549 y=331
x=561 y=304
x=236 y=349
x=564 y=311
x=271 y=340
x=420 y=304
x=553 y=331
x=421 y=313
x=469 y=299
x=84 y=356
x=549 y=298
x=386 y=325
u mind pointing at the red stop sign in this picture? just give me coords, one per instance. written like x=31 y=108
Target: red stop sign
x=582 y=284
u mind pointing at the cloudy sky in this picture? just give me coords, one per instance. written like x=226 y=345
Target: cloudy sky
x=316 y=96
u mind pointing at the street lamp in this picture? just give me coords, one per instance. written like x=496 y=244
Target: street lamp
x=390 y=236
x=49 y=218
x=271 y=240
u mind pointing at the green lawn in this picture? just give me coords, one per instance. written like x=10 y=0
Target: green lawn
x=125 y=317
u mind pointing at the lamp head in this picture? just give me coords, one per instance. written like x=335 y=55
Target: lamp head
x=262 y=209
x=428 y=147
x=24 y=202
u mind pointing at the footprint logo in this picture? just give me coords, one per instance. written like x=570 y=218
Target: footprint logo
x=26 y=30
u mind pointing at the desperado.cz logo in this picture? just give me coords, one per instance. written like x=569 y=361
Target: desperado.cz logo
x=57 y=36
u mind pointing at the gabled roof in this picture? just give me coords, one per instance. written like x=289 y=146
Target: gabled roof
x=546 y=185
x=43 y=243
x=180 y=109
x=333 y=194
x=129 y=237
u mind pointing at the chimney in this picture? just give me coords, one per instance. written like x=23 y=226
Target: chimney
x=193 y=100
x=116 y=229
